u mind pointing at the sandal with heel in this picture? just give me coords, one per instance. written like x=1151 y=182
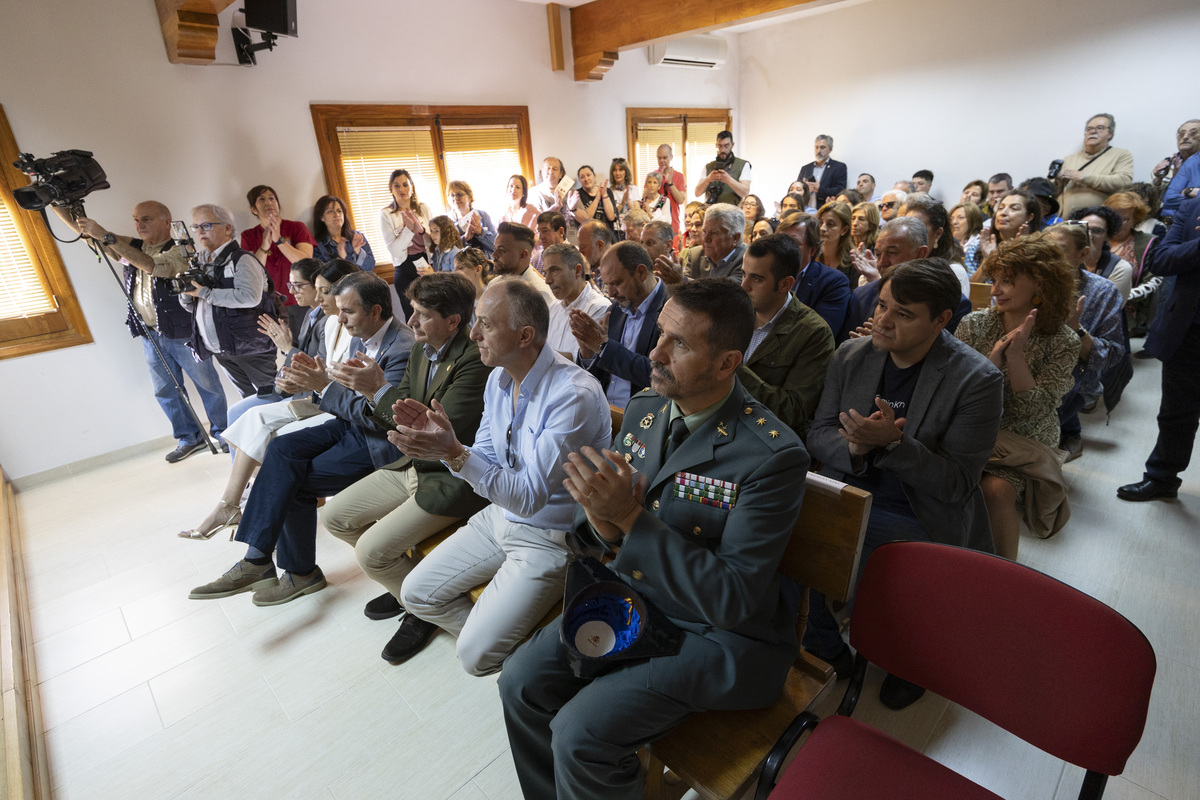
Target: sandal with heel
x=235 y=516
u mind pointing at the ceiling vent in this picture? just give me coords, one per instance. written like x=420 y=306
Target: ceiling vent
x=705 y=51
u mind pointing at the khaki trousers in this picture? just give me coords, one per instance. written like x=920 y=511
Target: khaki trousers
x=379 y=517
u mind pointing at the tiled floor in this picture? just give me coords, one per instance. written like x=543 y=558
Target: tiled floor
x=150 y=695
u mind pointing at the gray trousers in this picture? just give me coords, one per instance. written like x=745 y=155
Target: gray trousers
x=524 y=568
x=576 y=738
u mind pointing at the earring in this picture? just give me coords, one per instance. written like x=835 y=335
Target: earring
x=1037 y=300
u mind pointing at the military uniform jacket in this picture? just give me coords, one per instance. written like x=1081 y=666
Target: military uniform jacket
x=458 y=386
x=706 y=548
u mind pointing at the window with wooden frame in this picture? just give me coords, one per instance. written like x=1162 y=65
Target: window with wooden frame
x=38 y=307
x=691 y=132
x=362 y=144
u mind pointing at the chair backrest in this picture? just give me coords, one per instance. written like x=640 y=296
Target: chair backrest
x=1041 y=659
x=618 y=417
x=981 y=295
x=827 y=539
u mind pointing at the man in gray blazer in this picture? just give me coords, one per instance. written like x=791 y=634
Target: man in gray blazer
x=281 y=513
x=698 y=498
x=910 y=414
x=722 y=248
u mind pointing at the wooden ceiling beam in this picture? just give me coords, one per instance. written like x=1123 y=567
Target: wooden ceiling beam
x=189 y=29
x=601 y=28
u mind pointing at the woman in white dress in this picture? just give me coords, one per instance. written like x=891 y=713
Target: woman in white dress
x=249 y=436
x=404 y=224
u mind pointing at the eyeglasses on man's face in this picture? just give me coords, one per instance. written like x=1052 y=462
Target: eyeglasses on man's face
x=205 y=226
x=1095 y=129
x=887 y=205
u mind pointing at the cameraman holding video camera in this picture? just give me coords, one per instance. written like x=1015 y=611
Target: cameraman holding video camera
x=229 y=293
x=156 y=314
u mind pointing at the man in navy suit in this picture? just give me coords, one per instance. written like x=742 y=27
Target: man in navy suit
x=620 y=356
x=824 y=177
x=298 y=468
x=1175 y=340
x=823 y=289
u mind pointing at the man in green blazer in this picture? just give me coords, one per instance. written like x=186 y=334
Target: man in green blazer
x=698 y=497
x=791 y=346
x=396 y=507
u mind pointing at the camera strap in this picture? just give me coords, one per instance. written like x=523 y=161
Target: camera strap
x=1093 y=158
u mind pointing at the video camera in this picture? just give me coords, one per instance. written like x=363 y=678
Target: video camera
x=63 y=179
x=196 y=271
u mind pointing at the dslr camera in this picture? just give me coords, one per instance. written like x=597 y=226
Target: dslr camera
x=197 y=271
x=63 y=179
x=1055 y=167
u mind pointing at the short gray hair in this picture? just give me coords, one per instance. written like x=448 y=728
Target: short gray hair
x=1112 y=121
x=911 y=228
x=635 y=216
x=525 y=306
x=898 y=194
x=824 y=137
x=727 y=216
x=223 y=215
x=569 y=253
x=662 y=230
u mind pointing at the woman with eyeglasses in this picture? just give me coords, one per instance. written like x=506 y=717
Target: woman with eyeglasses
x=1131 y=244
x=257 y=423
x=474 y=224
x=519 y=209
x=752 y=209
x=1102 y=224
x=335 y=238
x=403 y=225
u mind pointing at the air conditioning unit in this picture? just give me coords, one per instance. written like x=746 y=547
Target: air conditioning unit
x=705 y=51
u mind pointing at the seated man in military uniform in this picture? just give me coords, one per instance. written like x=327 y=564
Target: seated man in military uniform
x=697 y=498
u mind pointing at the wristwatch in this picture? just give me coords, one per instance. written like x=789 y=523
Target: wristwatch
x=109 y=239
x=280 y=240
x=887 y=448
x=456 y=463
x=1081 y=332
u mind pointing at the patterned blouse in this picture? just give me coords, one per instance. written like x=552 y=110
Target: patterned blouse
x=1032 y=413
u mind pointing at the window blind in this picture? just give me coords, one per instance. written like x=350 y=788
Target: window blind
x=23 y=292
x=369 y=155
x=649 y=137
x=485 y=156
x=701 y=148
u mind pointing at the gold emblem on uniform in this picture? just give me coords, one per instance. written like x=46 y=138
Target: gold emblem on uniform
x=747 y=410
x=761 y=421
x=721 y=429
x=647 y=421
x=629 y=458
x=774 y=434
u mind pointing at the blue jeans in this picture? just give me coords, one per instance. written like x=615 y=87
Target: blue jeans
x=1068 y=413
x=822 y=637
x=180 y=360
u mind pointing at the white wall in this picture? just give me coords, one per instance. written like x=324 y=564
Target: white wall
x=963 y=89
x=186 y=135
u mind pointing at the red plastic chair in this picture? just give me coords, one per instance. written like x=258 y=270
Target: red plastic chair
x=1041 y=659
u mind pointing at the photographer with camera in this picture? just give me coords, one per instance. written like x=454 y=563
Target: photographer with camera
x=230 y=289
x=727 y=179
x=156 y=314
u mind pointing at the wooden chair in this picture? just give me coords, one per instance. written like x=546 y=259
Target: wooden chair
x=981 y=296
x=720 y=753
